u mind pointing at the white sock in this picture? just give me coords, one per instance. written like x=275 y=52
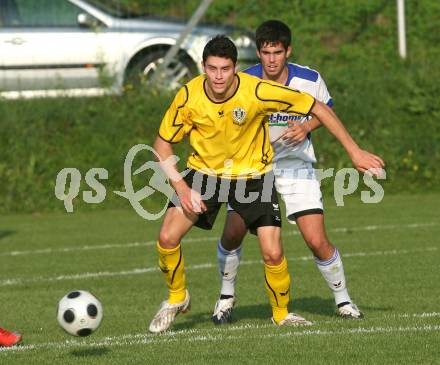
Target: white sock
x=228 y=262
x=332 y=271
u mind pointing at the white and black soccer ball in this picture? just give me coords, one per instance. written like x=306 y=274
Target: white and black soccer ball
x=79 y=313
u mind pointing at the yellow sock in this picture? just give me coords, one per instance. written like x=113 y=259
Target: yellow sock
x=278 y=288
x=171 y=263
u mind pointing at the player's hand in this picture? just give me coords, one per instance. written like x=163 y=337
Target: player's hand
x=296 y=133
x=367 y=162
x=190 y=200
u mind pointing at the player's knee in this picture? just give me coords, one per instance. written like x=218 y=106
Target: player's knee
x=233 y=232
x=318 y=244
x=168 y=239
x=230 y=241
x=232 y=238
x=274 y=256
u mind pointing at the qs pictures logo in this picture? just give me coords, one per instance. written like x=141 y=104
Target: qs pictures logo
x=68 y=183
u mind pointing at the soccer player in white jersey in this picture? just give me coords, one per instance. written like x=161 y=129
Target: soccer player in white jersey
x=296 y=181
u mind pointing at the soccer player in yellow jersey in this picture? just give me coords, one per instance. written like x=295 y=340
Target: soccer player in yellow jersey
x=224 y=115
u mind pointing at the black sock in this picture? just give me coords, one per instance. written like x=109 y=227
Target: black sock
x=342 y=304
x=223 y=296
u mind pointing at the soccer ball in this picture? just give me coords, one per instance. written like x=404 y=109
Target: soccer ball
x=79 y=313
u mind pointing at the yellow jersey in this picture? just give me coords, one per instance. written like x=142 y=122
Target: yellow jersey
x=230 y=138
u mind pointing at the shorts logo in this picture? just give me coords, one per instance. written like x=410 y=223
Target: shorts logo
x=239 y=114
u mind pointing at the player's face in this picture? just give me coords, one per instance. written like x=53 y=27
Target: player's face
x=273 y=57
x=220 y=76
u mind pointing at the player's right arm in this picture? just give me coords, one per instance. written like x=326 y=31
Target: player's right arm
x=173 y=128
x=190 y=200
x=176 y=123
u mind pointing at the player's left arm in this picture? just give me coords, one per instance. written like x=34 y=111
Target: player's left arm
x=280 y=98
x=362 y=160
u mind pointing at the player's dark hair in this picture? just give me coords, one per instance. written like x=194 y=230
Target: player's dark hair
x=220 y=46
x=273 y=32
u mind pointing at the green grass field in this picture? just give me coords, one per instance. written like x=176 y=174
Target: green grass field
x=391 y=254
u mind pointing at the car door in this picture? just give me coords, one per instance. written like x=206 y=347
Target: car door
x=42 y=46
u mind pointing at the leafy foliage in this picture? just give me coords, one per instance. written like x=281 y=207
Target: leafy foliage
x=389 y=105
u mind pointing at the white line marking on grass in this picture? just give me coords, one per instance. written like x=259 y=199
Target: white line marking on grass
x=216 y=333
x=208 y=265
x=80 y=248
x=203 y=239
x=99 y=247
x=212 y=335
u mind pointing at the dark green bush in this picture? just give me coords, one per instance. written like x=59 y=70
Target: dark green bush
x=389 y=105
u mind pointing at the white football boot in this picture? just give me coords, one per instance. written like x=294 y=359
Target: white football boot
x=167 y=313
x=292 y=319
x=223 y=311
x=350 y=311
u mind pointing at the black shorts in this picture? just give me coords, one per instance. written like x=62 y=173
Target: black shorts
x=255 y=199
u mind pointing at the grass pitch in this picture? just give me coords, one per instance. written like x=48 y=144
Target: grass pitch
x=391 y=254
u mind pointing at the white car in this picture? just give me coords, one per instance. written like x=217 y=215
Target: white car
x=77 y=47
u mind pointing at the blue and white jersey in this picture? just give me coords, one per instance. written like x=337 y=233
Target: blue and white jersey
x=303 y=79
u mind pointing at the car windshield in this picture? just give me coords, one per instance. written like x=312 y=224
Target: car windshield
x=118 y=9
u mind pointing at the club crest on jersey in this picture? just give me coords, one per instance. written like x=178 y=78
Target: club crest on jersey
x=239 y=115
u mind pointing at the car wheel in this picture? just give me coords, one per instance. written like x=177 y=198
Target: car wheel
x=180 y=70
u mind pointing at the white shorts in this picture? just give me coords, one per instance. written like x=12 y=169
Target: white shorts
x=301 y=192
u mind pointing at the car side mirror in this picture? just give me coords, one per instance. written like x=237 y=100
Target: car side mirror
x=86 y=21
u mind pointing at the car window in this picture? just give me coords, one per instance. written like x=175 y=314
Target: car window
x=41 y=13
x=8 y=13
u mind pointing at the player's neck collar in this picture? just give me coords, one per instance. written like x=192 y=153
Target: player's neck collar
x=226 y=99
x=286 y=81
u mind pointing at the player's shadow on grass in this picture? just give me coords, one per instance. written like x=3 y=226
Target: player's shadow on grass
x=311 y=305
x=93 y=352
x=6 y=233
x=314 y=305
x=302 y=306
x=326 y=307
x=191 y=320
